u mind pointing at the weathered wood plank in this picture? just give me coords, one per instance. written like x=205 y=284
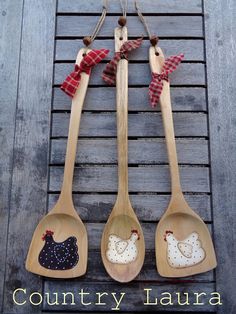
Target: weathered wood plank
x=147 y=6
x=10 y=21
x=104 y=99
x=140 y=125
x=193 y=50
x=220 y=52
x=166 y=26
x=141 y=179
x=134 y=298
x=148 y=207
x=139 y=74
x=29 y=179
x=148 y=151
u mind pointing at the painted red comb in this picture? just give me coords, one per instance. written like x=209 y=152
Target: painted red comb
x=168 y=231
x=135 y=231
x=48 y=232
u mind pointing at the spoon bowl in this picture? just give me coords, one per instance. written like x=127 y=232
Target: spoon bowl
x=182 y=225
x=122 y=227
x=63 y=226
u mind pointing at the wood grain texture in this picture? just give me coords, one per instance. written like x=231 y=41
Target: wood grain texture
x=142 y=151
x=192 y=49
x=220 y=41
x=141 y=179
x=11 y=21
x=29 y=177
x=147 y=6
x=166 y=26
x=149 y=207
x=139 y=74
x=140 y=125
x=134 y=298
x=103 y=99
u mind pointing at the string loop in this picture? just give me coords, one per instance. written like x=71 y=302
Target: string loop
x=122 y=19
x=153 y=38
x=89 y=39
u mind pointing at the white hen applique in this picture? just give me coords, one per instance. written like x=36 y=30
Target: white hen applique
x=122 y=251
x=185 y=253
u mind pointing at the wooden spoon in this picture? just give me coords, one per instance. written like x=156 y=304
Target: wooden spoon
x=63 y=251
x=183 y=242
x=122 y=245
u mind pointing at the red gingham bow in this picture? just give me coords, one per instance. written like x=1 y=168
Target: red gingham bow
x=109 y=74
x=155 y=88
x=72 y=81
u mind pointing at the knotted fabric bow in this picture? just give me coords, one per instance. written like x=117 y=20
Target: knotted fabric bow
x=109 y=74
x=156 y=86
x=72 y=81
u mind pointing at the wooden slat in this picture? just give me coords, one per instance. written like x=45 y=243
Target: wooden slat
x=141 y=179
x=166 y=26
x=139 y=74
x=10 y=21
x=104 y=99
x=220 y=52
x=147 y=151
x=140 y=125
x=148 y=207
x=134 y=296
x=147 y=6
x=193 y=49
x=29 y=178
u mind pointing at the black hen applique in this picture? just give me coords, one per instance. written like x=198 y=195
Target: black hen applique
x=58 y=255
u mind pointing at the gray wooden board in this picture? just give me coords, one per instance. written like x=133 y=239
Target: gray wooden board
x=29 y=177
x=139 y=74
x=140 y=125
x=165 y=26
x=148 y=207
x=220 y=25
x=147 y=6
x=134 y=299
x=10 y=21
x=104 y=99
x=141 y=179
x=192 y=49
x=142 y=151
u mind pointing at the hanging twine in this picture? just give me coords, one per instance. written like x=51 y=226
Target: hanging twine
x=153 y=38
x=122 y=19
x=89 y=39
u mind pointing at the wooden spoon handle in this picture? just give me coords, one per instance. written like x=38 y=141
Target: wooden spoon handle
x=76 y=109
x=156 y=63
x=122 y=116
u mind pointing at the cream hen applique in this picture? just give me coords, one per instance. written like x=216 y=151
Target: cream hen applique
x=122 y=251
x=185 y=253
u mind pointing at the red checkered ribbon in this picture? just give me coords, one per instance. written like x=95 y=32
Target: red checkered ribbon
x=109 y=74
x=156 y=86
x=72 y=81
